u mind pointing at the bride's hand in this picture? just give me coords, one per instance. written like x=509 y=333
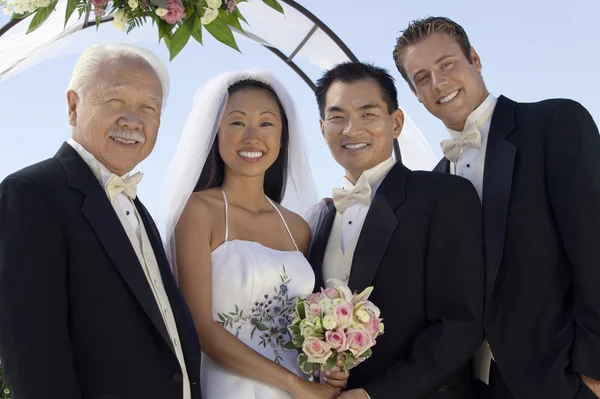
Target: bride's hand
x=313 y=390
x=336 y=377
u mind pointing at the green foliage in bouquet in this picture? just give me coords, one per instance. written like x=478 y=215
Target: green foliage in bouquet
x=176 y=20
x=4 y=391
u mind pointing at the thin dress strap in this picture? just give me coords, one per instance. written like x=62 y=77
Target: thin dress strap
x=284 y=223
x=226 y=215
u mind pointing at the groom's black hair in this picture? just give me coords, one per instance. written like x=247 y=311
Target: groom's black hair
x=350 y=72
x=213 y=172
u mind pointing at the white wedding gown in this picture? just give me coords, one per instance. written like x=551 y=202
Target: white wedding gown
x=254 y=291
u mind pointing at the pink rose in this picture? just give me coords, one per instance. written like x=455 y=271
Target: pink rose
x=175 y=13
x=330 y=293
x=314 y=298
x=358 y=341
x=373 y=326
x=316 y=350
x=312 y=311
x=337 y=339
x=343 y=314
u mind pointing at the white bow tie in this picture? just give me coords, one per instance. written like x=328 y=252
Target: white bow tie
x=116 y=185
x=452 y=148
x=361 y=193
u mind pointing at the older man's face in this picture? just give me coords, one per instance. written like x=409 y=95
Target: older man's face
x=117 y=116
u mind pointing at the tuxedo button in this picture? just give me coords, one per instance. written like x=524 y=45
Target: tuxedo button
x=177 y=377
x=346 y=277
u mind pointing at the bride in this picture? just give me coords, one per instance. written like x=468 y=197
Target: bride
x=239 y=254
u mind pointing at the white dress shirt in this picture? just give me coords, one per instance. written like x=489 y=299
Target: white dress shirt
x=355 y=214
x=471 y=162
x=470 y=165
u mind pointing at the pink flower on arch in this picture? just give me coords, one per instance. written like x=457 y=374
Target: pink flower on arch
x=175 y=13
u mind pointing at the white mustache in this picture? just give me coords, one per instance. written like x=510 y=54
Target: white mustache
x=126 y=134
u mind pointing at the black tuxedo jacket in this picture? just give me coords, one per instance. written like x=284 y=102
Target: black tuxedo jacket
x=77 y=316
x=541 y=223
x=420 y=248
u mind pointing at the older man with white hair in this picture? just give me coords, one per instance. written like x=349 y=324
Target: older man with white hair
x=88 y=305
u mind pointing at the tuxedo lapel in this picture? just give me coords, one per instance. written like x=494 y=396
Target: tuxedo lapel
x=378 y=228
x=183 y=317
x=443 y=166
x=497 y=183
x=317 y=253
x=98 y=211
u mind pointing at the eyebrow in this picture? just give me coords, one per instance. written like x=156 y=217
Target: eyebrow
x=440 y=59
x=335 y=108
x=369 y=106
x=108 y=87
x=243 y=113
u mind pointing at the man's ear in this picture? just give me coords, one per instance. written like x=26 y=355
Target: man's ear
x=476 y=60
x=397 y=122
x=72 y=102
x=322 y=126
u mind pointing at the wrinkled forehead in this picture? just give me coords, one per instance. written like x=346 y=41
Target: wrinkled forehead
x=126 y=74
x=106 y=88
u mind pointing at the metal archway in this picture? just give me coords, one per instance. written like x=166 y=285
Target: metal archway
x=318 y=28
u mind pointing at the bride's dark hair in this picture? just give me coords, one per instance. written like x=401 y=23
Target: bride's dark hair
x=213 y=172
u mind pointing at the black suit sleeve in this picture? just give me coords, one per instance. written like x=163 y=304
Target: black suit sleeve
x=34 y=338
x=573 y=184
x=454 y=299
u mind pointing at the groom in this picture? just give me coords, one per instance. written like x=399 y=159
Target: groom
x=88 y=304
x=536 y=167
x=414 y=236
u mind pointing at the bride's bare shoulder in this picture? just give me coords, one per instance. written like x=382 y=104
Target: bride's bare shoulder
x=299 y=228
x=202 y=205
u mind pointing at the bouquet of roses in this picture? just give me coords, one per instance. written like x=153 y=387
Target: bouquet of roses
x=334 y=322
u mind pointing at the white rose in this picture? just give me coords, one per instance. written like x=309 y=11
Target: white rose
x=133 y=4
x=214 y=4
x=120 y=20
x=161 y=12
x=210 y=14
x=7 y=11
x=329 y=322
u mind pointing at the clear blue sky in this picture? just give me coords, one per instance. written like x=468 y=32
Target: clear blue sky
x=530 y=49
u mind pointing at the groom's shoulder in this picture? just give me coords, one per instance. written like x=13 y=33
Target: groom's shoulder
x=546 y=108
x=43 y=173
x=436 y=184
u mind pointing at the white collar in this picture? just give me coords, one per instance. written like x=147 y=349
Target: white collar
x=100 y=171
x=478 y=118
x=374 y=175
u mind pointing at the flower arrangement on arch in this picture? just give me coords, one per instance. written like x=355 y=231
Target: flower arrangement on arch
x=332 y=323
x=177 y=20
